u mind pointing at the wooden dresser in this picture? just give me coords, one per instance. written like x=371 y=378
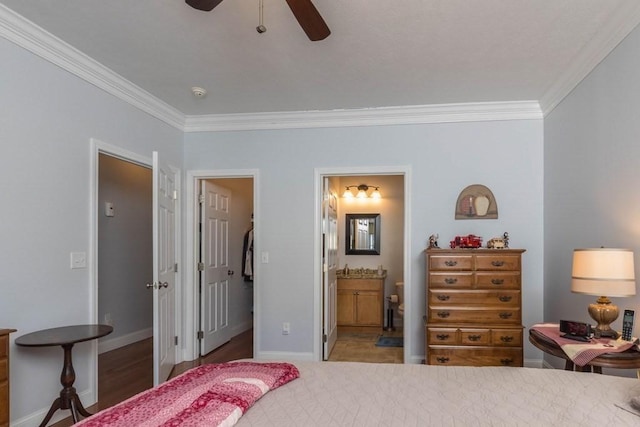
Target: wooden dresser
x=360 y=302
x=4 y=376
x=474 y=307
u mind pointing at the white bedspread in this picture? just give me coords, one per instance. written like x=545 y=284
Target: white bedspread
x=365 y=394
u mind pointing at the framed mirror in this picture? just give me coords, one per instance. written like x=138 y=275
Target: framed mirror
x=363 y=234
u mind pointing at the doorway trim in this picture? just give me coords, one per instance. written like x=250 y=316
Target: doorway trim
x=191 y=303
x=319 y=174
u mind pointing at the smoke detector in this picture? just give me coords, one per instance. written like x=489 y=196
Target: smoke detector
x=198 y=92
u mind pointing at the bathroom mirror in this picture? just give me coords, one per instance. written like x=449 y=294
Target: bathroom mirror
x=363 y=234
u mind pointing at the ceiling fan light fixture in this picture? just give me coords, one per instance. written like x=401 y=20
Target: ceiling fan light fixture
x=198 y=92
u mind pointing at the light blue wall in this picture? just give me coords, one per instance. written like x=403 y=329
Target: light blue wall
x=592 y=176
x=47 y=117
x=506 y=156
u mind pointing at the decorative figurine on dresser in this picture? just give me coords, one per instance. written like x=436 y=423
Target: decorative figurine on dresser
x=474 y=307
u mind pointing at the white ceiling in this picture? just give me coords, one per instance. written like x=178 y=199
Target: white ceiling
x=380 y=53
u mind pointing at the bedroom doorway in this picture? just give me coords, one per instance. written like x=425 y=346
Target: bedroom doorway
x=383 y=341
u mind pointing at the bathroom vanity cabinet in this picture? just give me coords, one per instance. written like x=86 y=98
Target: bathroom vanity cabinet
x=474 y=307
x=360 y=301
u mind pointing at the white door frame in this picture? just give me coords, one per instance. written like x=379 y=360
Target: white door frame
x=191 y=302
x=319 y=173
x=98 y=147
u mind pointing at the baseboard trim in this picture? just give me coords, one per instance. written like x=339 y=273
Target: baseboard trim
x=121 y=341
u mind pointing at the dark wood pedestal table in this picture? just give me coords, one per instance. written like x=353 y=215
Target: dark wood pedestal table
x=65 y=337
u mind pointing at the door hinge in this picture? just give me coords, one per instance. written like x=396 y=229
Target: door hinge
x=324 y=337
x=175 y=340
x=200 y=335
x=175 y=267
x=175 y=194
x=201 y=198
x=201 y=266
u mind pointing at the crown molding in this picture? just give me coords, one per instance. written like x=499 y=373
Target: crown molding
x=33 y=38
x=419 y=114
x=603 y=43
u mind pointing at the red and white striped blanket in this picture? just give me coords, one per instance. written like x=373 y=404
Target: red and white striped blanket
x=581 y=353
x=208 y=395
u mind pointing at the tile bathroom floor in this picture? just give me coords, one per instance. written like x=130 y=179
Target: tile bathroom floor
x=358 y=344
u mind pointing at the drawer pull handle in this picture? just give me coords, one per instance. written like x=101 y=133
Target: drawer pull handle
x=450 y=263
x=506 y=362
x=442 y=359
x=497 y=281
x=474 y=337
x=443 y=314
x=506 y=338
x=443 y=297
x=505 y=298
x=450 y=280
x=497 y=263
x=442 y=337
x=505 y=315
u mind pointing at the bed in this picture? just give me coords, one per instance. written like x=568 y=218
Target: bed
x=368 y=394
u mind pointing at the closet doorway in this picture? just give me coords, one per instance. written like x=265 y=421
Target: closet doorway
x=224 y=282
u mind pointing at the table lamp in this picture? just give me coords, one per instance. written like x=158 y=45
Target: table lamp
x=603 y=271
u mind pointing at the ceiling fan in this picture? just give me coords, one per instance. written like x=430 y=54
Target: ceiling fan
x=305 y=12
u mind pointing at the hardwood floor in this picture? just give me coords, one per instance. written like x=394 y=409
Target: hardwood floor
x=128 y=370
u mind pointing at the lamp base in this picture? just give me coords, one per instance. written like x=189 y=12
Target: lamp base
x=604 y=312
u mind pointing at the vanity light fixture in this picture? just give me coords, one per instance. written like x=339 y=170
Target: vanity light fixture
x=362 y=192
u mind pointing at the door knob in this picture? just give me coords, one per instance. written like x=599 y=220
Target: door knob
x=164 y=284
x=151 y=285
x=230 y=272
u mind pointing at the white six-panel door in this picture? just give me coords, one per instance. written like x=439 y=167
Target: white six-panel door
x=330 y=265
x=215 y=274
x=164 y=275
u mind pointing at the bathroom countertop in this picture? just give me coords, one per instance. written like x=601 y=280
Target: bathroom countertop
x=361 y=273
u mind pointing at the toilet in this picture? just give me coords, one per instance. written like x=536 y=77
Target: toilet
x=400 y=291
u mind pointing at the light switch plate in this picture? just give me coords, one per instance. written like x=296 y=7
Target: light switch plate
x=78 y=260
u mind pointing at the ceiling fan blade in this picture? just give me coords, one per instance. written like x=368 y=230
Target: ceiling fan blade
x=309 y=19
x=206 y=5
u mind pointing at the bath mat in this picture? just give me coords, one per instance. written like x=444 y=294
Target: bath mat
x=390 y=342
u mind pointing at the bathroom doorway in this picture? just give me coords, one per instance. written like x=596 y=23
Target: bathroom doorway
x=378 y=338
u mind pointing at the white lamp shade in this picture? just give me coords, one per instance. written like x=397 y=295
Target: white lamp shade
x=604 y=272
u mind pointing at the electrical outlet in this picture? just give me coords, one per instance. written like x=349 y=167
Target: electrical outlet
x=286 y=328
x=108 y=320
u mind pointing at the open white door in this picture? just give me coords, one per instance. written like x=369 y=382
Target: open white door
x=164 y=275
x=214 y=261
x=329 y=267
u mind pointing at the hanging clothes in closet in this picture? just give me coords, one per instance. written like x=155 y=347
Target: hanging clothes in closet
x=247 y=254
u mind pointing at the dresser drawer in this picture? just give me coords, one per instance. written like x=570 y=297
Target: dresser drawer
x=497 y=280
x=450 y=262
x=4 y=397
x=451 y=280
x=4 y=339
x=474 y=356
x=448 y=314
x=506 y=337
x=443 y=336
x=498 y=262
x=484 y=298
x=4 y=369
